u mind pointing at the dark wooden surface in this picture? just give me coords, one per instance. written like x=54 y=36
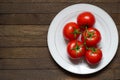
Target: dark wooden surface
x=24 y=53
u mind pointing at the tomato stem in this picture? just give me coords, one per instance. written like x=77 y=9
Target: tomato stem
x=90 y=34
x=93 y=49
x=76 y=48
x=75 y=32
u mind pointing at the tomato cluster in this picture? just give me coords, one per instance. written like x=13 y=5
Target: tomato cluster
x=83 y=38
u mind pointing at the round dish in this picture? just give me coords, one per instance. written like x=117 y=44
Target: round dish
x=57 y=44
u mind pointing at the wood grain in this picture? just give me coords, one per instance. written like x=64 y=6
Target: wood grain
x=26 y=18
x=25 y=53
x=50 y=7
x=23 y=30
x=58 y=74
x=41 y=63
x=21 y=41
x=37 y=19
x=19 y=35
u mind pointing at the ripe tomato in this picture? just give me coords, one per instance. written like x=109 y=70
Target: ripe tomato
x=71 y=31
x=85 y=19
x=91 y=37
x=75 y=49
x=93 y=55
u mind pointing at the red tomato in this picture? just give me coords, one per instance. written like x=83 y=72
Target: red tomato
x=93 y=55
x=85 y=19
x=75 y=49
x=71 y=31
x=91 y=37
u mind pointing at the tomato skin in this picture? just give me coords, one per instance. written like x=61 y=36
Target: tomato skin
x=91 y=37
x=93 y=57
x=85 y=19
x=76 y=49
x=71 y=31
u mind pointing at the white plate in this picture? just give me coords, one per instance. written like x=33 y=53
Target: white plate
x=57 y=44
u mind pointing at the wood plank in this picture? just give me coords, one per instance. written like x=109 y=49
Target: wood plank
x=50 y=7
x=25 y=53
x=23 y=41
x=88 y=1
x=41 y=63
x=26 y=18
x=58 y=75
x=37 y=18
x=23 y=30
x=23 y=35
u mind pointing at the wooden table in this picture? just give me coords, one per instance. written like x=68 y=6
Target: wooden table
x=24 y=53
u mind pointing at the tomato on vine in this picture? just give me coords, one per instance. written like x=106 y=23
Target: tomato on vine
x=75 y=49
x=91 y=37
x=85 y=19
x=71 y=31
x=93 y=55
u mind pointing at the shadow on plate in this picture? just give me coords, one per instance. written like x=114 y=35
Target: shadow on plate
x=76 y=61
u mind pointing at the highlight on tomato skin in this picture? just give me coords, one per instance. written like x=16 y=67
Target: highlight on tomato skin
x=85 y=19
x=71 y=31
x=76 y=49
